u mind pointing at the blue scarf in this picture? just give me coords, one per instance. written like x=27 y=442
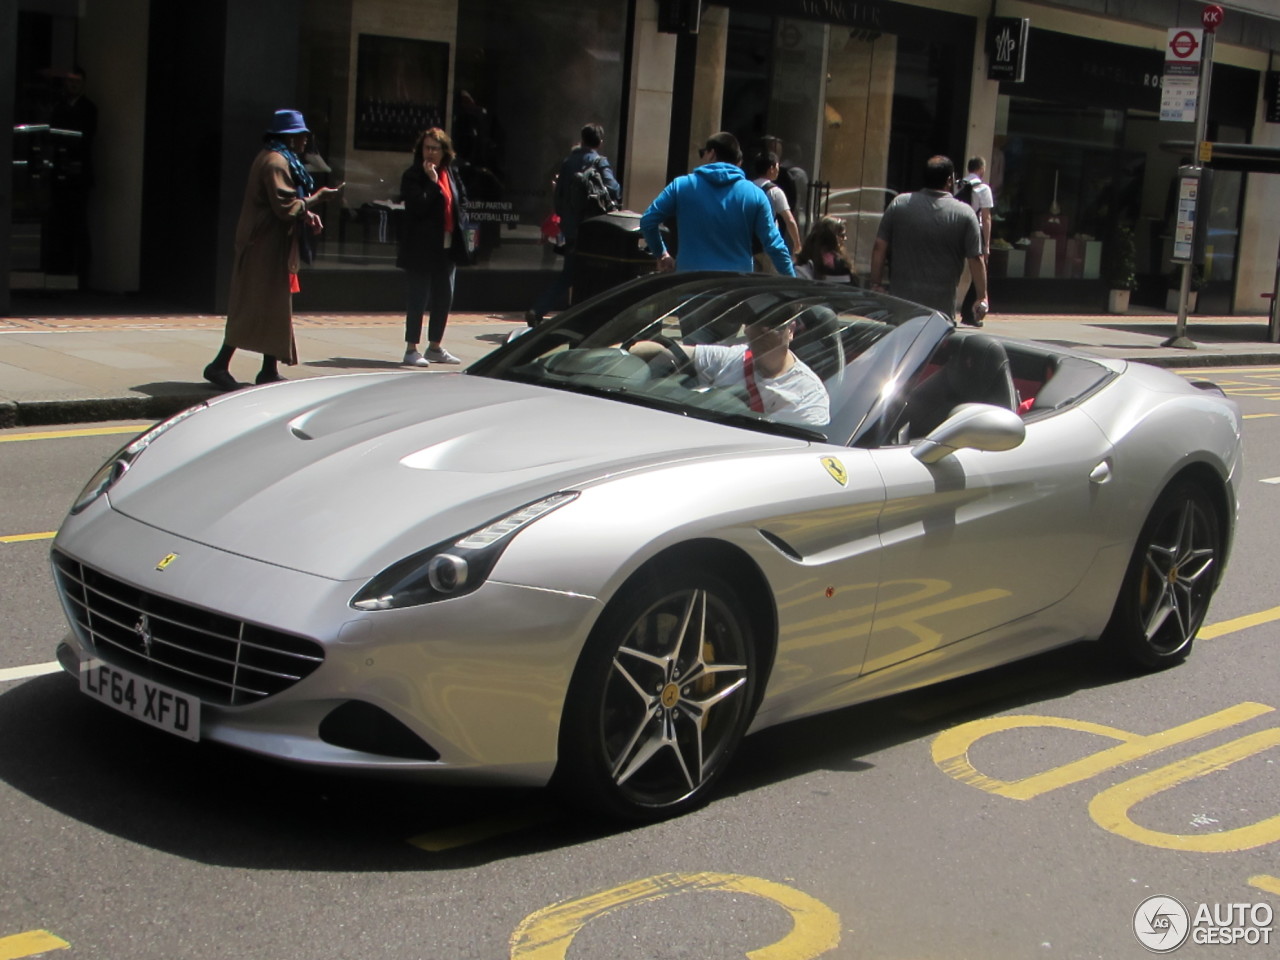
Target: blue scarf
x=304 y=185
x=301 y=179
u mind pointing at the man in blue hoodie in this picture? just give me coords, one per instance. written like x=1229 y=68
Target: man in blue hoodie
x=718 y=210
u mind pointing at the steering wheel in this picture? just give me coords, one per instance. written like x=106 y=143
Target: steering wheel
x=684 y=362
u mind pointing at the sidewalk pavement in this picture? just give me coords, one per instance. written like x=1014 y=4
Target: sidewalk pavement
x=78 y=369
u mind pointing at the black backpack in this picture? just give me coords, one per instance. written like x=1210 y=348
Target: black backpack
x=588 y=196
x=964 y=192
x=756 y=245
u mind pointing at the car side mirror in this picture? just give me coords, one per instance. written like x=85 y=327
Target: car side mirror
x=972 y=426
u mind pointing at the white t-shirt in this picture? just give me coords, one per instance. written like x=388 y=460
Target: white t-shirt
x=777 y=198
x=796 y=396
x=981 y=198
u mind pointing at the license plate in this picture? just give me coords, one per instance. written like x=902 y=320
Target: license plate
x=144 y=700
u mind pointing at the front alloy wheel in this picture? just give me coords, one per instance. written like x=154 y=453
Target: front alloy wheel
x=660 y=700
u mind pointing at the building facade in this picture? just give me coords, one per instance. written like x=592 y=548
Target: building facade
x=858 y=92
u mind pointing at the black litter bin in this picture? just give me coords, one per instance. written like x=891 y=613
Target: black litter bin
x=610 y=251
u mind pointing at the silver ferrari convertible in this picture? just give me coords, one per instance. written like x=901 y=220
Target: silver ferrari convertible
x=692 y=507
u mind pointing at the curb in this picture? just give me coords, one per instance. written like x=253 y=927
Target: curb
x=44 y=413
x=1193 y=359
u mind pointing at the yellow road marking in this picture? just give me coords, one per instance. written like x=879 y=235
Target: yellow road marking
x=547 y=934
x=1264 y=881
x=1110 y=808
x=61 y=434
x=23 y=537
x=951 y=748
x=1199 y=372
x=1259 y=416
x=485 y=828
x=1221 y=629
x=29 y=944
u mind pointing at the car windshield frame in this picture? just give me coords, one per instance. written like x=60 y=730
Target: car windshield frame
x=641 y=343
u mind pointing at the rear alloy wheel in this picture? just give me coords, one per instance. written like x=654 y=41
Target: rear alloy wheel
x=660 y=699
x=1170 y=580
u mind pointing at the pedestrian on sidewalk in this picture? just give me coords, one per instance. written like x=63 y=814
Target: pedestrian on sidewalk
x=978 y=195
x=569 y=207
x=717 y=211
x=823 y=256
x=276 y=218
x=433 y=243
x=764 y=167
x=926 y=237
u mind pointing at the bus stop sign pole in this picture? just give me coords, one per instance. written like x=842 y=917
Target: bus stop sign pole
x=1210 y=19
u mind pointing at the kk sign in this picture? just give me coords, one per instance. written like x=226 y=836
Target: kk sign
x=1007 y=48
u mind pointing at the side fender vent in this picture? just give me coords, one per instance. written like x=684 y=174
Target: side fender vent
x=782 y=546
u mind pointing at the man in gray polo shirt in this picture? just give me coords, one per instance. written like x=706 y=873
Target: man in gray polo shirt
x=928 y=235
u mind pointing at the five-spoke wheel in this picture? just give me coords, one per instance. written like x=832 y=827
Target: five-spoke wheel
x=661 y=697
x=1170 y=580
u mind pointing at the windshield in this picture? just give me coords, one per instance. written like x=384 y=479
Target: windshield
x=792 y=356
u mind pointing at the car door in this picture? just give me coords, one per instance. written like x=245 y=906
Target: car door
x=825 y=570
x=983 y=538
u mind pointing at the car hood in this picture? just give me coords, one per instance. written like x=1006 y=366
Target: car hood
x=341 y=476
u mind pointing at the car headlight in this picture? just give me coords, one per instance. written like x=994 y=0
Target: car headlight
x=119 y=462
x=454 y=568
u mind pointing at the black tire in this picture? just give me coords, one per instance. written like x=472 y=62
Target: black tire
x=1170 y=580
x=660 y=699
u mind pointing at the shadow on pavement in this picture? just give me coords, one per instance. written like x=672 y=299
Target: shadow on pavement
x=214 y=805
x=196 y=388
x=1217 y=332
x=219 y=806
x=837 y=740
x=356 y=363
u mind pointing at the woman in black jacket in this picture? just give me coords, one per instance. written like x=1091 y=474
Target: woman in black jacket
x=433 y=239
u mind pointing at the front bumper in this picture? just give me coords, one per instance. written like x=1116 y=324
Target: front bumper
x=480 y=680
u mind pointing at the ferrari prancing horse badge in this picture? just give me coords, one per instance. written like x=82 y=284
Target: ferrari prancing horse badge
x=837 y=470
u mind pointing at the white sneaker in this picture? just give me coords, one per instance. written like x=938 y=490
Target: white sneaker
x=412 y=358
x=441 y=355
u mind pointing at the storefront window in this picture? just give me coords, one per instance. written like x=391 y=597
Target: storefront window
x=1063 y=182
x=53 y=138
x=857 y=107
x=533 y=72
x=516 y=84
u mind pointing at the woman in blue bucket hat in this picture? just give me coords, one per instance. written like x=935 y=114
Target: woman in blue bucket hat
x=275 y=219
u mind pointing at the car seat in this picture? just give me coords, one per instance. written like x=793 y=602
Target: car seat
x=817 y=340
x=976 y=371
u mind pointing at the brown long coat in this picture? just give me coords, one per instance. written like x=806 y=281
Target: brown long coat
x=260 y=314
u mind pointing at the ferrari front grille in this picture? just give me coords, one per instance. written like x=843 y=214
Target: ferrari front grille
x=217 y=658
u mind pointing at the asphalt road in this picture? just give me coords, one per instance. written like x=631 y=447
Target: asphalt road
x=979 y=819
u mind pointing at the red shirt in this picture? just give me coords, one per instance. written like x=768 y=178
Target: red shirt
x=447 y=189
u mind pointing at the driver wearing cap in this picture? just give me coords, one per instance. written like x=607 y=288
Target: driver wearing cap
x=777 y=383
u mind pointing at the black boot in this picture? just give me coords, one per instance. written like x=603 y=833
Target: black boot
x=269 y=373
x=220 y=377
x=219 y=372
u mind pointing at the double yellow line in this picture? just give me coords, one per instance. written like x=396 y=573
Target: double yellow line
x=59 y=435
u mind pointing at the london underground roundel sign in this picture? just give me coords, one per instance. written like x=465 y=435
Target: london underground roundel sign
x=1183 y=44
